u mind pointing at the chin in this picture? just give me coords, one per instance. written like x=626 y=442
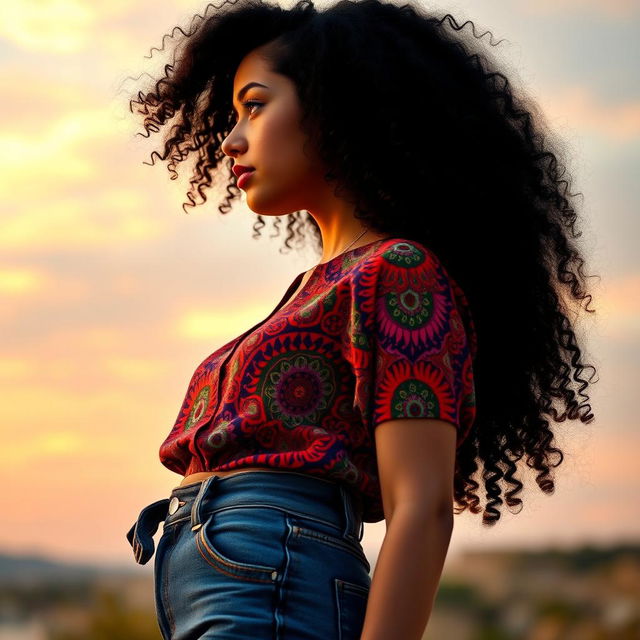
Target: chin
x=270 y=208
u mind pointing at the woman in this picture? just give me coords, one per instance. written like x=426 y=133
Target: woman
x=432 y=336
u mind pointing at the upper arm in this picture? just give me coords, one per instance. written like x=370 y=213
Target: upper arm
x=416 y=458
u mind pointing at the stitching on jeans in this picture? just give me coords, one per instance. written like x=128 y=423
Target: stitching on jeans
x=261 y=505
x=328 y=539
x=336 y=590
x=172 y=522
x=281 y=592
x=286 y=511
x=200 y=541
x=165 y=587
x=341 y=587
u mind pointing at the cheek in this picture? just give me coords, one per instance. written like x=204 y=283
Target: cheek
x=282 y=150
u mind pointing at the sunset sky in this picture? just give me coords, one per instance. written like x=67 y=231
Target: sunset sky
x=112 y=295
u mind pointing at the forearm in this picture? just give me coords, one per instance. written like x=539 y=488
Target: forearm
x=406 y=576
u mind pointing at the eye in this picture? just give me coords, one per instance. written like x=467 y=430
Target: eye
x=250 y=104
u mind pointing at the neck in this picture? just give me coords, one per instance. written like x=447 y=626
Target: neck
x=346 y=240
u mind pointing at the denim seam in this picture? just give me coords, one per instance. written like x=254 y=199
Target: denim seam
x=336 y=586
x=165 y=587
x=338 y=543
x=214 y=559
x=162 y=619
x=264 y=506
x=280 y=593
x=355 y=588
x=287 y=511
x=340 y=586
x=177 y=521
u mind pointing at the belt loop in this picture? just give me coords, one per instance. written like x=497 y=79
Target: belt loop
x=349 y=514
x=196 y=517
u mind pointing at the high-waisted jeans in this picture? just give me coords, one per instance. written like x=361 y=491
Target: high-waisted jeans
x=257 y=556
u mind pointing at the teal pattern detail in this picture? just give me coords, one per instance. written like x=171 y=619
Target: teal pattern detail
x=410 y=309
x=404 y=254
x=297 y=390
x=415 y=399
x=200 y=405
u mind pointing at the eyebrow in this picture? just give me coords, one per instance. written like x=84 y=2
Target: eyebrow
x=245 y=89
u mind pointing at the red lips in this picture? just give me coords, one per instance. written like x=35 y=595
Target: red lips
x=238 y=170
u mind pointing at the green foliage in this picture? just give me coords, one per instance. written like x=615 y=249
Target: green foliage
x=456 y=594
x=112 y=619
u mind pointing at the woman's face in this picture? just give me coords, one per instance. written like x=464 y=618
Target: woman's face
x=267 y=137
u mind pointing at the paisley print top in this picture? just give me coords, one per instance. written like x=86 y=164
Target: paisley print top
x=377 y=333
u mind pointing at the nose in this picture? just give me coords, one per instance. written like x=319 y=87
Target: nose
x=234 y=144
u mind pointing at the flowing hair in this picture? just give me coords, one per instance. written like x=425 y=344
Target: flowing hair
x=409 y=114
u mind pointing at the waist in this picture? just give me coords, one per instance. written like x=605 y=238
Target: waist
x=199 y=476
x=290 y=491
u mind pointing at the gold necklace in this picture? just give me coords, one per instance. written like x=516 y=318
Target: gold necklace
x=358 y=238
x=351 y=243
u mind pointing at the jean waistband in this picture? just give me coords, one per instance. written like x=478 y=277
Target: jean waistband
x=299 y=493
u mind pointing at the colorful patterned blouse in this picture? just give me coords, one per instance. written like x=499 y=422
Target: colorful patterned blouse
x=377 y=333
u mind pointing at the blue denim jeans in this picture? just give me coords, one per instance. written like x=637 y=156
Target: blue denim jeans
x=257 y=556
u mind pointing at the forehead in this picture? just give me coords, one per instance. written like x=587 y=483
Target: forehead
x=252 y=64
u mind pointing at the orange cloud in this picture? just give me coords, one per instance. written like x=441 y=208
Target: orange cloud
x=17 y=369
x=135 y=370
x=52 y=26
x=622 y=295
x=20 y=281
x=618 y=305
x=37 y=100
x=199 y=324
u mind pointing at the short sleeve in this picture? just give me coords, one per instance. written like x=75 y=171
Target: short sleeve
x=412 y=340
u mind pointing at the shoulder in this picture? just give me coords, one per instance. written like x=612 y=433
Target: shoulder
x=402 y=286
x=409 y=282
x=402 y=263
x=403 y=253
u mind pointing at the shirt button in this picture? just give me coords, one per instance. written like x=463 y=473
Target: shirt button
x=173 y=505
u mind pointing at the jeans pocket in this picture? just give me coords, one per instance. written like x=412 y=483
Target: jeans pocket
x=326 y=534
x=351 y=604
x=243 y=542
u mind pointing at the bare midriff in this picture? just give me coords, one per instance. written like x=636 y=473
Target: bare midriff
x=201 y=475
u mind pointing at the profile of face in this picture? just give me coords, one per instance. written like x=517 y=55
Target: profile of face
x=267 y=136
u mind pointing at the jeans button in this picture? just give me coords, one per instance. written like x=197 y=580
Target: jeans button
x=173 y=505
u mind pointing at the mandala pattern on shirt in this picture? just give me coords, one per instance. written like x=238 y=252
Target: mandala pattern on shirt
x=420 y=391
x=199 y=399
x=414 y=306
x=379 y=333
x=294 y=377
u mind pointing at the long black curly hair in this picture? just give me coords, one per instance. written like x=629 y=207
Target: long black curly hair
x=437 y=147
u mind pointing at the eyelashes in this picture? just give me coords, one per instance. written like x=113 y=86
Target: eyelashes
x=252 y=103
x=249 y=104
